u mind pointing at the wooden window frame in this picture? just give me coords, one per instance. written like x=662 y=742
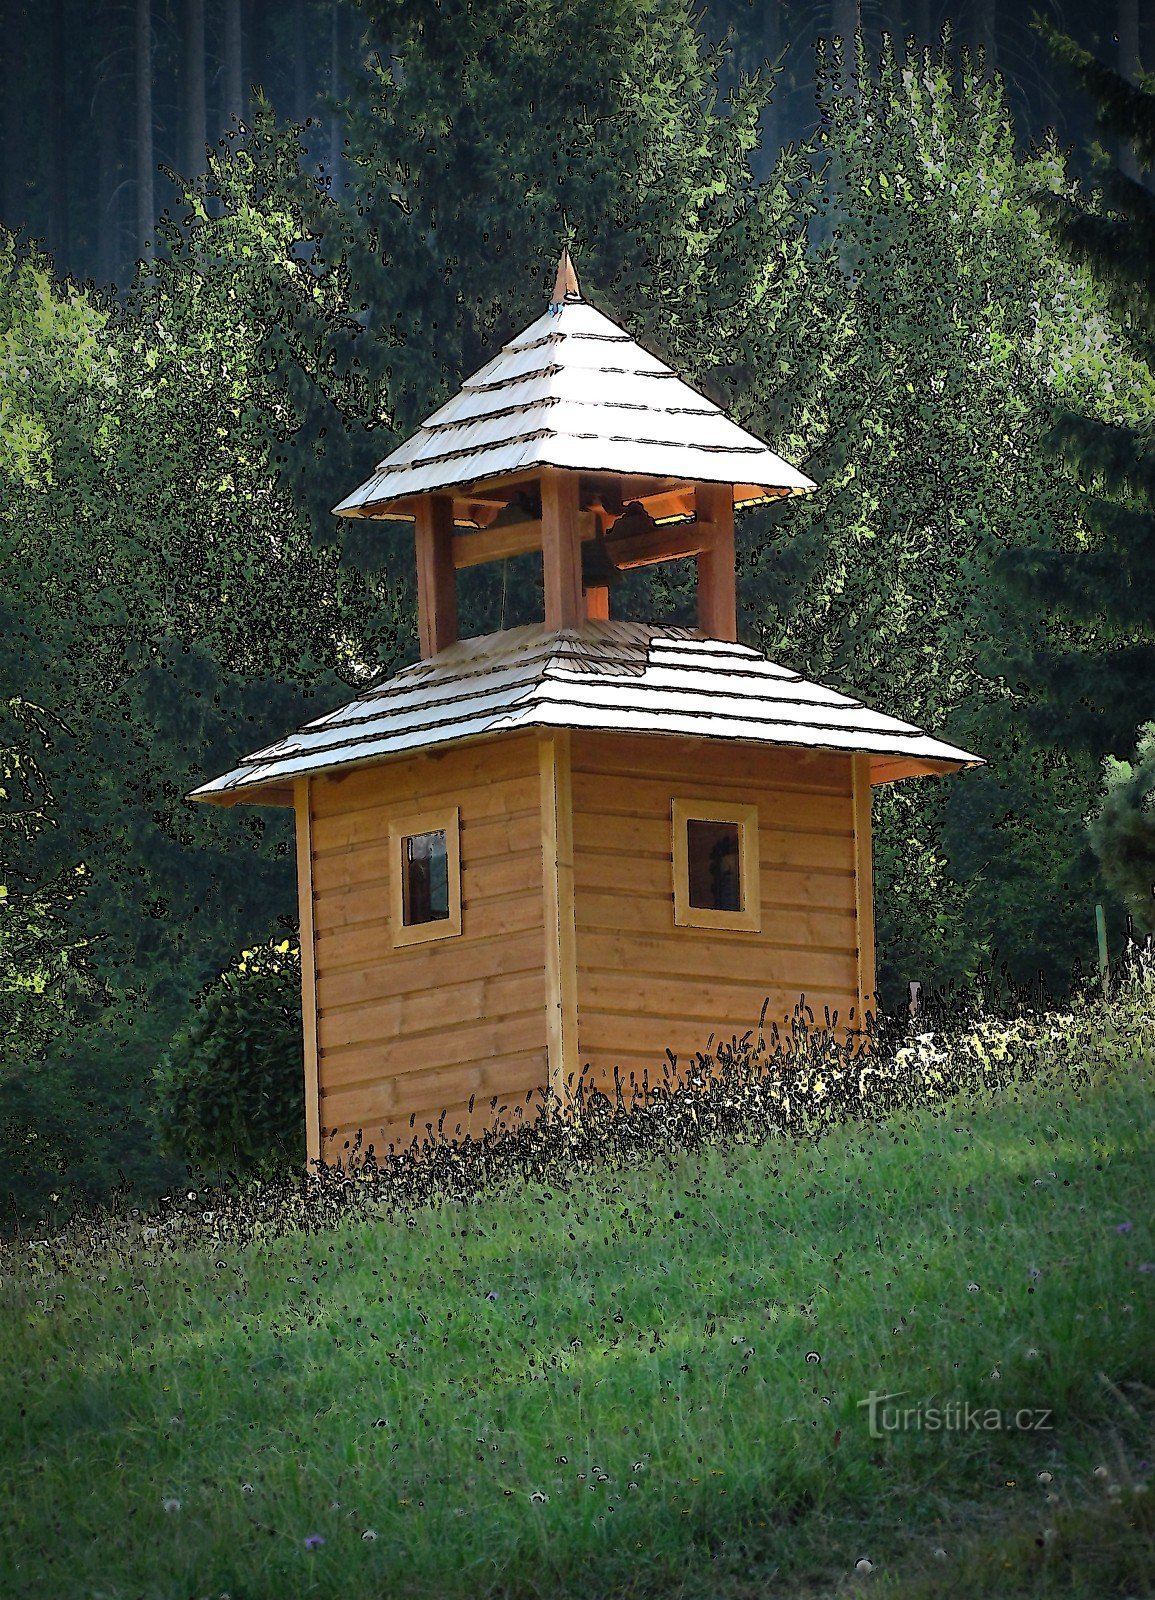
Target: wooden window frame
x=745 y=818
x=446 y=820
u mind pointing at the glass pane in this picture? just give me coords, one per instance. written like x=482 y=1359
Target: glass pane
x=712 y=852
x=424 y=878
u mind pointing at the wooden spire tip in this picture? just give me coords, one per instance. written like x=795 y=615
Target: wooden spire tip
x=565 y=284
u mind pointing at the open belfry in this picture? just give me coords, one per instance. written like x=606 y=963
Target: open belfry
x=579 y=845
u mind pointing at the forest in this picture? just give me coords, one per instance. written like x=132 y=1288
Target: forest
x=245 y=249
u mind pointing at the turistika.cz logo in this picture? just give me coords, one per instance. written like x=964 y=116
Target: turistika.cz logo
x=957 y=1416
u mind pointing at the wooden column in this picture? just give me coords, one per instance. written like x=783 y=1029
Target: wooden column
x=598 y=604
x=436 y=575
x=561 y=557
x=560 y=919
x=304 y=817
x=863 y=889
x=717 y=596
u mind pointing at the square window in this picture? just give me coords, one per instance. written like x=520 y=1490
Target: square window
x=425 y=877
x=715 y=858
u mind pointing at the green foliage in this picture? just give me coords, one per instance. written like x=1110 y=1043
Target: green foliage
x=230 y=1088
x=162 y=612
x=1123 y=830
x=1092 y=667
x=950 y=323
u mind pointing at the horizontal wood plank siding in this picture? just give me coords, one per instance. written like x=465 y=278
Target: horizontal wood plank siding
x=405 y=1033
x=646 y=986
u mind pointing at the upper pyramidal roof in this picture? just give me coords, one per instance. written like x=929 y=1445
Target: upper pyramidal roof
x=574 y=390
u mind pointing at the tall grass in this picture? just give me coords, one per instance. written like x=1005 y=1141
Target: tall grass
x=642 y=1375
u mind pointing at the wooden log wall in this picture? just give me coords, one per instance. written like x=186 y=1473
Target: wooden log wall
x=411 y=1032
x=645 y=985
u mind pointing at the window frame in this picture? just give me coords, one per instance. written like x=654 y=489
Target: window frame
x=745 y=818
x=445 y=820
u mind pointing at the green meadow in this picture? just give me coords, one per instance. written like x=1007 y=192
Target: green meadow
x=643 y=1378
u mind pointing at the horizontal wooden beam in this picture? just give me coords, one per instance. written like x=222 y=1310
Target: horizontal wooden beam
x=515 y=539
x=661 y=544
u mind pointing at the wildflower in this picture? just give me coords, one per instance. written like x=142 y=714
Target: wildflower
x=940 y=1554
x=492 y=1295
x=246 y=1488
x=1147 y=1266
x=863 y=1565
x=1033 y=1273
x=972 y=1288
x=1101 y=1472
x=1123 y=1227
x=1045 y=1477
x=538 y=1498
x=368 y=1536
x=1032 y=1354
x=314 y=1541
x=171 y=1503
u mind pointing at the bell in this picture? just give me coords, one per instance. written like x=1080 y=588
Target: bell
x=598 y=569
x=634 y=519
x=520 y=509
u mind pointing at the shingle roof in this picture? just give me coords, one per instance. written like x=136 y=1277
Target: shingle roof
x=575 y=390
x=624 y=677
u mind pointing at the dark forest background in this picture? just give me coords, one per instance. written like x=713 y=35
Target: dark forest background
x=104 y=98
x=245 y=248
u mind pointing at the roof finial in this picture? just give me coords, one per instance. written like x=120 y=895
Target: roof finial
x=565 y=284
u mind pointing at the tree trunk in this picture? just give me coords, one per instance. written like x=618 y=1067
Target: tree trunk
x=772 y=42
x=195 y=128
x=234 y=74
x=983 y=34
x=1129 y=68
x=846 y=21
x=335 y=81
x=255 y=54
x=301 y=96
x=16 y=151
x=107 y=102
x=145 y=177
x=57 y=102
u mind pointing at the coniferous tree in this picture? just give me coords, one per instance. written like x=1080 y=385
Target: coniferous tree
x=1095 y=673
x=1123 y=830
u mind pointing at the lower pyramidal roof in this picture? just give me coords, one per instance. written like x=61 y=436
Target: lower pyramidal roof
x=616 y=677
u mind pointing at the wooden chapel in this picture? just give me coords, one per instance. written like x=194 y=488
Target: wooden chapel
x=581 y=844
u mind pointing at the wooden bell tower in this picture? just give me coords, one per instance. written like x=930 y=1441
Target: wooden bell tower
x=577 y=443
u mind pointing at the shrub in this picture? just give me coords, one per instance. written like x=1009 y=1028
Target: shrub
x=230 y=1088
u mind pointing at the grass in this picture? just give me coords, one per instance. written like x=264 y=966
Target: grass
x=644 y=1381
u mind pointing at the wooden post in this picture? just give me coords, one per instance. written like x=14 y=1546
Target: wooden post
x=560 y=920
x=561 y=558
x=598 y=604
x=863 y=889
x=436 y=575
x=303 y=807
x=717 y=595
x=1104 y=957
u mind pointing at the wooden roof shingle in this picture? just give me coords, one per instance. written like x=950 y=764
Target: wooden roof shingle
x=626 y=677
x=575 y=390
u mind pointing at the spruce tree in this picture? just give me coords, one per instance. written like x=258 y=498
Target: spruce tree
x=1093 y=679
x=1095 y=675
